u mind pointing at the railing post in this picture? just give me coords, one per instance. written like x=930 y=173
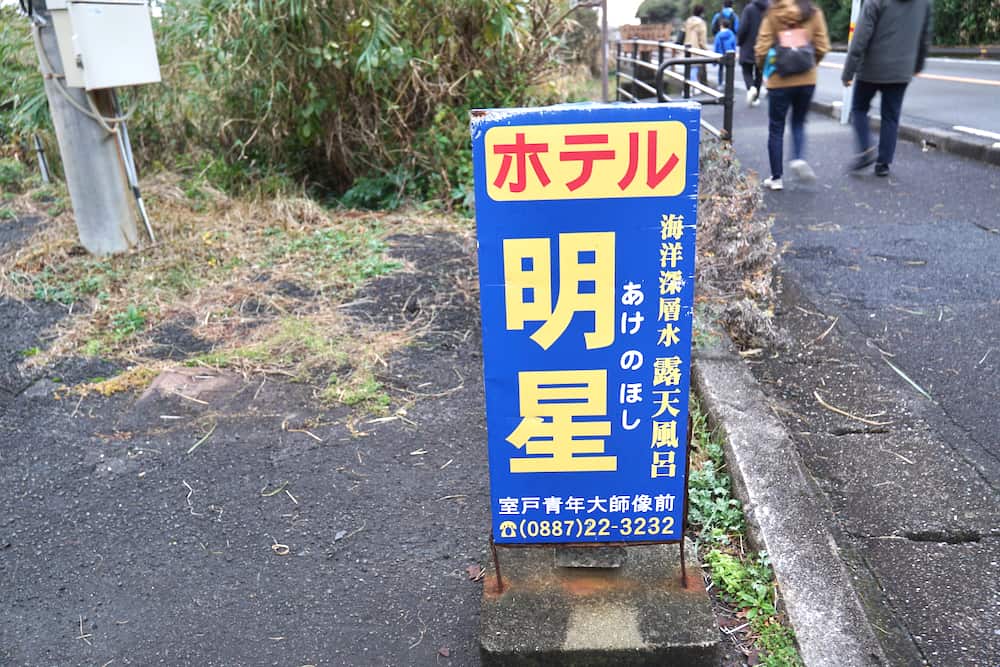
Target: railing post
x=618 y=69
x=660 y=47
x=727 y=123
x=635 y=69
x=687 y=71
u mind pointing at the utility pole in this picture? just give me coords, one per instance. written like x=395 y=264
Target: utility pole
x=92 y=163
x=848 y=97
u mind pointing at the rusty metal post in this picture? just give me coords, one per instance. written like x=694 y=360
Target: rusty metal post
x=496 y=563
x=687 y=476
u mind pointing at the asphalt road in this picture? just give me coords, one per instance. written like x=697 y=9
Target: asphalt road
x=949 y=92
x=296 y=534
x=891 y=297
x=932 y=229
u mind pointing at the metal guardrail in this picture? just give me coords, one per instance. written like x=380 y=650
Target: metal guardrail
x=663 y=68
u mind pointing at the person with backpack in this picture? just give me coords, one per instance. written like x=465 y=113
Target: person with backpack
x=725 y=40
x=746 y=37
x=727 y=13
x=889 y=46
x=796 y=32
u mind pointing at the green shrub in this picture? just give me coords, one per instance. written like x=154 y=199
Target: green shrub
x=956 y=22
x=23 y=107
x=969 y=22
x=376 y=97
x=663 y=11
x=372 y=94
x=12 y=175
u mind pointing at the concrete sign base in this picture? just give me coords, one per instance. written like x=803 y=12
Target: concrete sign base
x=635 y=614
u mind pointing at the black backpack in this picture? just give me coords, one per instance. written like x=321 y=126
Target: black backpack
x=789 y=60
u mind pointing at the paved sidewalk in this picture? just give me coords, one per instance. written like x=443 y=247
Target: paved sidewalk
x=892 y=299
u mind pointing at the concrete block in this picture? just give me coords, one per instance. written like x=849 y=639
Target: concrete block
x=635 y=615
x=590 y=556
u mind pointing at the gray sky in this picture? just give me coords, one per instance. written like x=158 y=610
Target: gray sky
x=621 y=12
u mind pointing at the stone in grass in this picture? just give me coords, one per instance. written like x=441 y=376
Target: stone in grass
x=636 y=614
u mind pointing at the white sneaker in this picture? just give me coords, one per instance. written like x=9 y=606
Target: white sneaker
x=755 y=103
x=802 y=170
x=751 y=96
x=773 y=184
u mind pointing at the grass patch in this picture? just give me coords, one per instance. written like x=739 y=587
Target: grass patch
x=338 y=359
x=259 y=279
x=743 y=579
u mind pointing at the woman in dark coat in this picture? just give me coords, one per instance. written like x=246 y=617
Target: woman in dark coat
x=746 y=36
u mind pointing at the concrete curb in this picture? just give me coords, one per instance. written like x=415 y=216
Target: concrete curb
x=942 y=139
x=786 y=516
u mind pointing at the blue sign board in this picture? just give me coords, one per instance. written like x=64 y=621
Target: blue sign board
x=585 y=219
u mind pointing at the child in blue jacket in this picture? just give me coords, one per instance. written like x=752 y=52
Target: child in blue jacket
x=725 y=40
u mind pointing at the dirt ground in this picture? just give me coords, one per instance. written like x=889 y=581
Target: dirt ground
x=290 y=535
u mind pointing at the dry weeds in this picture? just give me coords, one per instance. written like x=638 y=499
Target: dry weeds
x=736 y=252
x=258 y=281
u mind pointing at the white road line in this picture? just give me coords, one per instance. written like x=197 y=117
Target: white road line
x=937 y=77
x=938 y=59
x=979 y=133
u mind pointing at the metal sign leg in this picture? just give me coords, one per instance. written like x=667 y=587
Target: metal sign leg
x=684 y=519
x=496 y=564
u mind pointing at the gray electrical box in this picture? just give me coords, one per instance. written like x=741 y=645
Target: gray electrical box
x=106 y=43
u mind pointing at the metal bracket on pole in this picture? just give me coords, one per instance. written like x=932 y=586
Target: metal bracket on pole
x=125 y=147
x=43 y=163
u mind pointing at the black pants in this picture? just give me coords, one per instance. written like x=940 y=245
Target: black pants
x=752 y=76
x=892 y=103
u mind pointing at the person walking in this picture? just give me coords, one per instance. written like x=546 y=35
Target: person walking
x=727 y=13
x=889 y=46
x=796 y=31
x=696 y=36
x=725 y=40
x=746 y=37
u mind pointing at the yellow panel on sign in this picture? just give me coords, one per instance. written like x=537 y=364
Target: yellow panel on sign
x=586 y=161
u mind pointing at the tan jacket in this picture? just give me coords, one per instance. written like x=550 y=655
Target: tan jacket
x=784 y=15
x=696 y=33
